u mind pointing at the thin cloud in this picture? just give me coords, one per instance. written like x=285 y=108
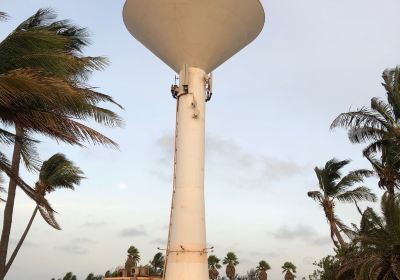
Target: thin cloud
x=82 y=240
x=132 y=232
x=264 y=255
x=300 y=231
x=250 y=170
x=94 y=224
x=73 y=249
x=26 y=242
x=303 y=232
x=159 y=241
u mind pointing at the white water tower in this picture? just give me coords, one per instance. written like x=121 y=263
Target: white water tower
x=193 y=37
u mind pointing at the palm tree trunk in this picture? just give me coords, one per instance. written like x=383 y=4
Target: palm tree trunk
x=9 y=207
x=22 y=239
x=391 y=191
x=338 y=235
x=331 y=219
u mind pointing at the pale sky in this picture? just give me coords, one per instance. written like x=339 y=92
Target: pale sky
x=267 y=127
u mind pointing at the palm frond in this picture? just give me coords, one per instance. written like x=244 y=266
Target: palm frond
x=5 y=166
x=6 y=137
x=357 y=194
x=376 y=146
x=3 y=16
x=363 y=117
x=353 y=177
x=48 y=216
x=316 y=195
x=58 y=172
x=391 y=78
x=41 y=18
x=384 y=110
x=344 y=228
x=365 y=134
x=30 y=155
x=231 y=258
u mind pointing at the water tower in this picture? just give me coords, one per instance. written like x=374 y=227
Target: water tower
x=193 y=37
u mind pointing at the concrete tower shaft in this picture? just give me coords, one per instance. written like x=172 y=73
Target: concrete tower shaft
x=193 y=37
x=186 y=251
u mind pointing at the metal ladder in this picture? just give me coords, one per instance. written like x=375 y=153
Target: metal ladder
x=173 y=189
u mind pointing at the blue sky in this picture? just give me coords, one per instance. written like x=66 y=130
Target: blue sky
x=267 y=127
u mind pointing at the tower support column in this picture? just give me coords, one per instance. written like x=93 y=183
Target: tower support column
x=186 y=250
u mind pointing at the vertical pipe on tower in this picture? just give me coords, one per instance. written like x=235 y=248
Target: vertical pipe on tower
x=186 y=255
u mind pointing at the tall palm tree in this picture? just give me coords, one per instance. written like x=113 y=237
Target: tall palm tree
x=231 y=261
x=262 y=268
x=56 y=173
x=133 y=253
x=157 y=264
x=43 y=90
x=378 y=243
x=213 y=266
x=289 y=269
x=7 y=137
x=335 y=187
x=379 y=127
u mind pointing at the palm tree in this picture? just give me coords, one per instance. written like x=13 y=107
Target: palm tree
x=56 y=173
x=378 y=243
x=134 y=253
x=132 y=260
x=43 y=80
x=335 y=187
x=5 y=136
x=157 y=264
x=231 y=261
x=252 y=274
x=379 y=127
x=262 y=268
x=289 y=269
x=91 y=276
x=213 y=266
x=69 y=276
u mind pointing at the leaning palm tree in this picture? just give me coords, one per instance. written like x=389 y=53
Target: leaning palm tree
x=213 y=266
x=56 y=173
x=262 y=268
x=379 y=127
x=289 y=269
x=7 y=137
x=231 y=261
x=43 y=90
x=335 y=187
x=157 y=264
x=378 y=243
